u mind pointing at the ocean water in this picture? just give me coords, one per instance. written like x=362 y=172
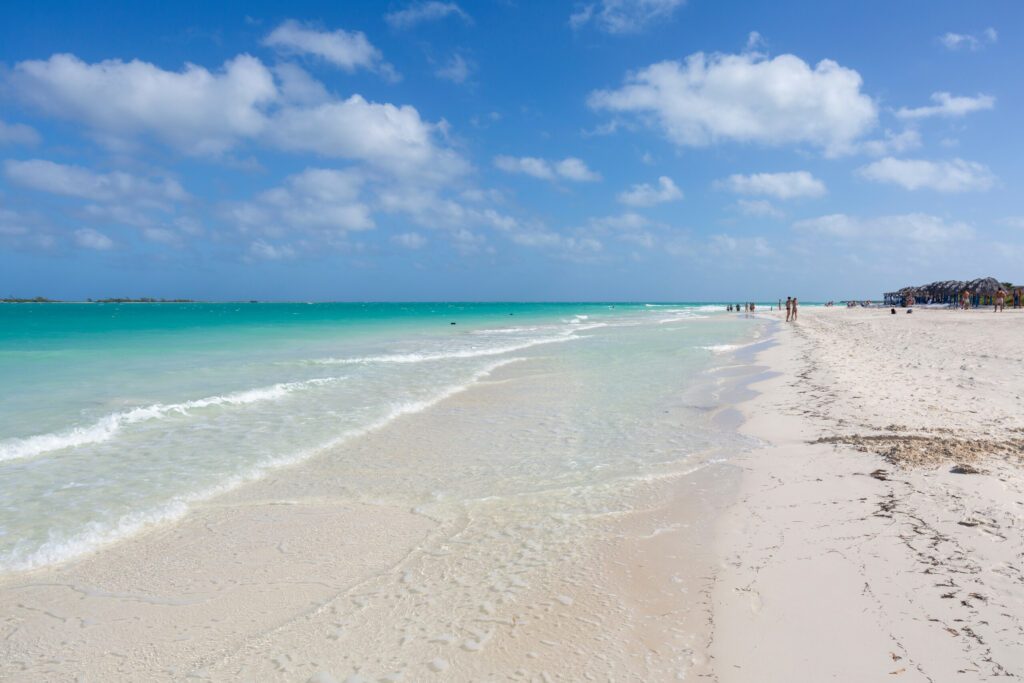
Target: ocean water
x=115 y=417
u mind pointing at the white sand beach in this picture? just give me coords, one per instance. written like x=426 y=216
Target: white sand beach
x=838 y=546
x=865 y=558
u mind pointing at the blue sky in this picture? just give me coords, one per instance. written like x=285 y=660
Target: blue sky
x=613 y=149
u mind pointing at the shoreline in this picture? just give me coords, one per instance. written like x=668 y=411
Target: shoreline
x=856 y=552
x=289 y=576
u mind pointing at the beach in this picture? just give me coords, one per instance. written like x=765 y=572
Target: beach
x=856 y=553
x=665 y=493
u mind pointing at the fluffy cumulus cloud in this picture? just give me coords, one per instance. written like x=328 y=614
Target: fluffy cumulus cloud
x=778 y=185
x=87 y=238
x=569 y=168
x=949 y=106
x=623 y=16
x=386 y=136
x=918 y=228
x=747 y=98
x=195 y=110
x=83 y=183
x=969 y=41
x=421 y=12
x=17 y=134
x=324 y=203
x=648 y=195
x=347 y=50
x=201 y=112
x=944 y=176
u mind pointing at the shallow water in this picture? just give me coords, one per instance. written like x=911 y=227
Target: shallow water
x=114 y=417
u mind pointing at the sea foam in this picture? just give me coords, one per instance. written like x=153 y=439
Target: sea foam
x=58 y=549
x=108 y=426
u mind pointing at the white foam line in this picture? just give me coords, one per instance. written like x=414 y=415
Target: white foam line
x=96 y=535
x=726 y=348
x=108 y=426
x=449 y=355
x=681 y=318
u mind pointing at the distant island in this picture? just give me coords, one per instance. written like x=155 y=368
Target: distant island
x=114 y=300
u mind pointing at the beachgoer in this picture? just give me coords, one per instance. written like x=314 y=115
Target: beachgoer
x=1000 y=299
x=789 y=307
x=965 y=299
x=794 y=310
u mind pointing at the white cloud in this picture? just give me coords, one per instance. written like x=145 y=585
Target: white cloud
x=648 y=195
x=949 y=106
x=386 y=136
x=778 y=185
x=91 y=239
x=918 y=228
x=624 y=16
x=945 y=176
x=347 y=50
x=575 y=169
x=760 y=208
x=569 y=168
x=970 y=41
x=195 y=110
x=1013 y=222
x=747 y=98
x=456 y=69
x=83 y=183
x=893 y=143
x=199 y=112
x=298 y=87
x=18 y=134
x=409 y=240
x=424 y=11
x=320 y=201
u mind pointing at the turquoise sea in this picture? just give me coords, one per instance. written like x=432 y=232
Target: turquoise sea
x=114 y=417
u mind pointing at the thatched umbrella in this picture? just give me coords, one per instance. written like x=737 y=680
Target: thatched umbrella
x=986 y=286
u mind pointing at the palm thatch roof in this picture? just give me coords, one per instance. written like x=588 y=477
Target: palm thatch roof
x=944 y=289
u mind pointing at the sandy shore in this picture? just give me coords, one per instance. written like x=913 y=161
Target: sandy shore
x=857 y=552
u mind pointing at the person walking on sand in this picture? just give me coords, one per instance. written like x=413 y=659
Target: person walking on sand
x=793 y=319
x=1000 y=300
x=789 y=307
x=965 y=299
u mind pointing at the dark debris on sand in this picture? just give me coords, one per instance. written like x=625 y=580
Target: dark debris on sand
x=916 y=450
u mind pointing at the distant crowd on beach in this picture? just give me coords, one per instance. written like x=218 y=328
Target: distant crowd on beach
x=969 y=300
